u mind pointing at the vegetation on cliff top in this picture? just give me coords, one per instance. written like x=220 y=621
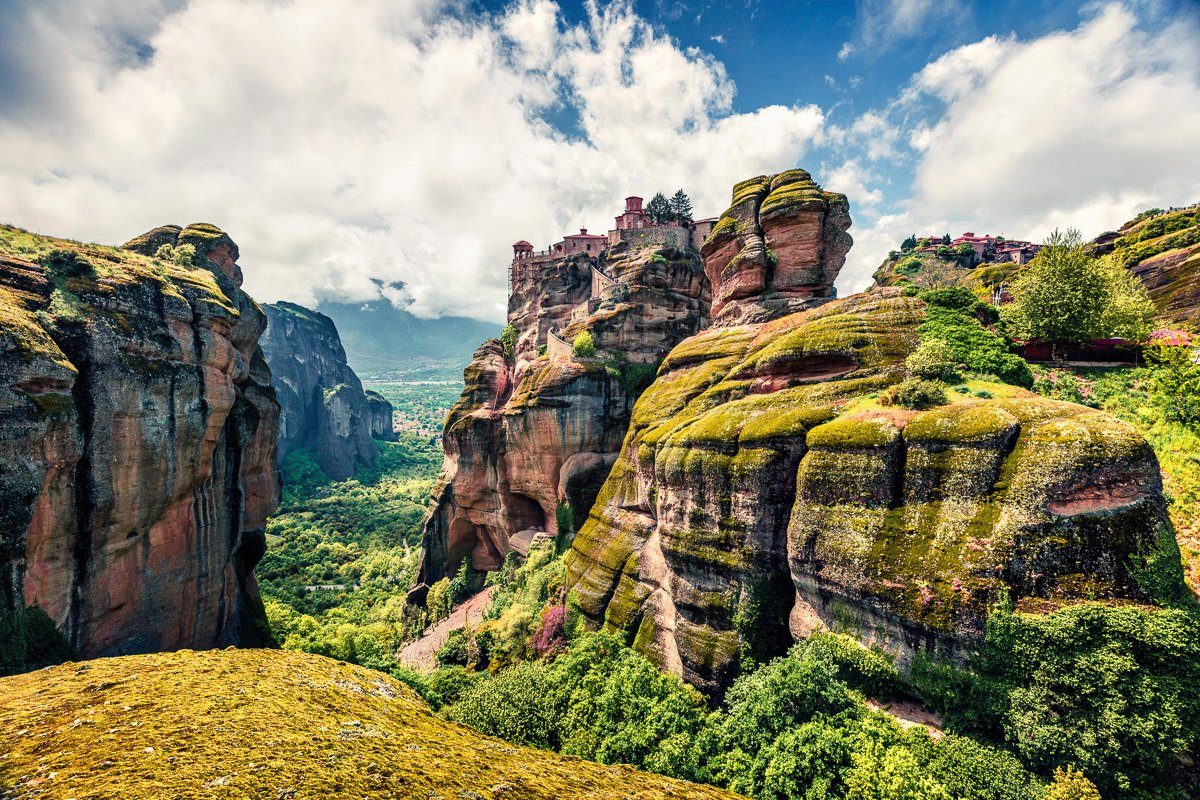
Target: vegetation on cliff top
x=268 y=724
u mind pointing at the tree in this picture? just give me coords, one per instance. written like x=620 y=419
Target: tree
x=909 y=244
x=659 y=209
x=1063 y=294
x=946 y=238
x=1130 y=312
x=681 y=207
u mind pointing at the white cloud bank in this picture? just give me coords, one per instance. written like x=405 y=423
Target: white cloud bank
x=397 y=140
x=1079 y=128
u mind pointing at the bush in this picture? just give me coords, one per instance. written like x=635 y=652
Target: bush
x=584 y=345
x=949 y=317
x=67 y=263
x=918 y=393
x=934 y=360
x=1071 y=784
x=448 y=684
x=454 y=652
x=564 y=523
x=1175 y=383
x=508 y=338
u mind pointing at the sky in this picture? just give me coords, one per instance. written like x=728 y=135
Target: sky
x=401 y=146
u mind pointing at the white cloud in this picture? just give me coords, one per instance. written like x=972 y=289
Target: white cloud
x=884 y=24
x=404 y=141
x=1079 y=128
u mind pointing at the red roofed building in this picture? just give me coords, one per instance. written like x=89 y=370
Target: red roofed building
x=634 y=216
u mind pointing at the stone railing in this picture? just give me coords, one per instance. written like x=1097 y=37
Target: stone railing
x=556 y=346
x=600 y=282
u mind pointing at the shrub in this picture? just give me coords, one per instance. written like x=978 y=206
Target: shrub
x=933 y=359
x=978 y=349
x=910 y=265
x=185 y=255
x=1071 y=784
x=564 y=523
x=1175 y=383
x=454 y=651
x=584 y=345
x=447 y=684
x=550 y=638
x=918 y=393
x=508 y=338
x=67 y=263
x=955 y=297
x=984 y=394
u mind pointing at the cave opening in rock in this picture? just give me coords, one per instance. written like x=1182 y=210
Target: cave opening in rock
x=525 y=513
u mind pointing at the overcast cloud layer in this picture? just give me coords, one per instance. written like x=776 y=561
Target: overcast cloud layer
x=407 y=141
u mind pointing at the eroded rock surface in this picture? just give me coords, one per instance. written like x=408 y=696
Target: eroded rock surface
x=137 y=441
x=536 y=429
x=763 y=492
x=777 y=248
x=322 y=404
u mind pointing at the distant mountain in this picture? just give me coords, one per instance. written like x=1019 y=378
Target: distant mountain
x=383 y=341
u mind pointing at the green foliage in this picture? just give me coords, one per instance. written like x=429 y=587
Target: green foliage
x=934 y=360
x=634 y=377
x=513 y=704
x=945 y=252
x=508 y=337
x=1068 y=295
x=1150 y=212
x=184 y=255
x=772 y=259
x=1175 y=383
x=952 y=315
x=29 y=640
x=341 y=556
x=659 y=209
x=1071 y=784
x=564 y=522
x=910 y=265
x=909 y=244
x=1104 y=688
x=67 y=264
x=918 y=393
x=541 y=350
x=681 y=206
x=584 y=345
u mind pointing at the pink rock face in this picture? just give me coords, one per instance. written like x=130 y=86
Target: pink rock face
x=531 y=432
x=140 y=479
x=777 y=249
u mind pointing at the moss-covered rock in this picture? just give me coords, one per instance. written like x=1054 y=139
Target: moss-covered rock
x=272 y=723
x=761 y=452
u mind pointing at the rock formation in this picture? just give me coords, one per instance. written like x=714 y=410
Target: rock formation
x=191 y=725
x=1163 y=250
x=137 y=441
x=322 y=404
x=537 y=427
x=778 y=247
x=382 y=425
x=763 y=492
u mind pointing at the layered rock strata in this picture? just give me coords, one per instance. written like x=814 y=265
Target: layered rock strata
x=137 y=441
x=763 y=492
x=323 y=407
x=537 y=427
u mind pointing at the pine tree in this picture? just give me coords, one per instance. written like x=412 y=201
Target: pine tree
x=909 y=244
x=659 y=209
x=946 y=238
x=681 y=207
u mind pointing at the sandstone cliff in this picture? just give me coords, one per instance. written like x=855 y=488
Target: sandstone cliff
x=537 y=427
x=137 y=442
x=1163 y=250
x=382 y=424
x=322 y=404
x=763 y=491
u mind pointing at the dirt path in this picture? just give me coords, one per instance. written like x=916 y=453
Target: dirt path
x=909 y=714
x=421 y=654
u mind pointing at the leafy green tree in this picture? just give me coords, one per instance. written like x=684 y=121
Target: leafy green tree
x=513 y=704
x=584 y=346
x=1062 y=295
x=681 y=207
x=659 y=209
x=946 y=240
x=1130 y=312
x=945 y=252
x=909 y=244
x=891 y=773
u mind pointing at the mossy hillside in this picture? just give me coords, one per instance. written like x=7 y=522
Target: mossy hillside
x=113 y=269
x=264 y=723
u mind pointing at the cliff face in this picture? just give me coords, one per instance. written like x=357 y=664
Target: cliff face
x=1164 y=252
x=532 y=431
x=137 y=441
x=763 y=492
x=322 y=403
x=777 y=248
x=382 y=425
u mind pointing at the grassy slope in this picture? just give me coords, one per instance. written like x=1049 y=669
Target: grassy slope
x=268 y=724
